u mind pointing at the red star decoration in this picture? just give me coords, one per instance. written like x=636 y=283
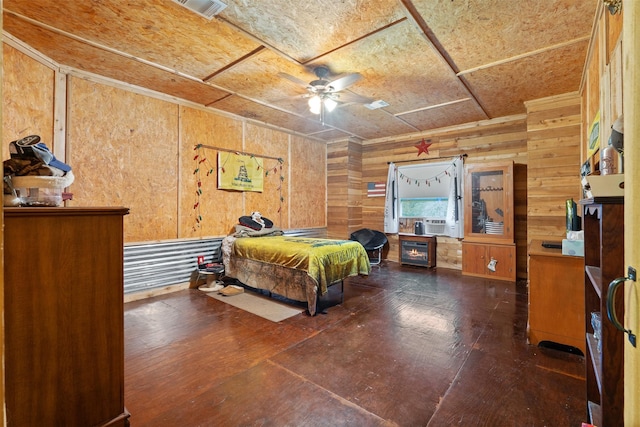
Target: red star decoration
x=423 y=147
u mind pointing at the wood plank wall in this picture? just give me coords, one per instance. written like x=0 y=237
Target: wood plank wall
x=500 y=139
x=553 y=133
x=344 y=188
x=544 y=145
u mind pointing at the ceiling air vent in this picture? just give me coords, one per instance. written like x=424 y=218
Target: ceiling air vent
x=377 y=104
x=206 y=8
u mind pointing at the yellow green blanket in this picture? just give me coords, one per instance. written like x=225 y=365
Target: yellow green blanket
x=325 y=260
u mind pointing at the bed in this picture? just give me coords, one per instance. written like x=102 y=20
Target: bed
x=298 y=268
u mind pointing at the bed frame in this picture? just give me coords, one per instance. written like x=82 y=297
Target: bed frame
x=290 y=283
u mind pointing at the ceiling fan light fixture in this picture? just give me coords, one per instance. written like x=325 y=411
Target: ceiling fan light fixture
x=315 y=104
x=330 y=104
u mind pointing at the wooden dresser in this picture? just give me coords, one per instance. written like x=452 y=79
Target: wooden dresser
x=556 y=297
x=64 y=323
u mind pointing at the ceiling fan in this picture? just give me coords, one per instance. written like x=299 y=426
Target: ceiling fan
x=326 y=93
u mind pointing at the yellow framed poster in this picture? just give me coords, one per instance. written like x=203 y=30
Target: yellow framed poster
x=240 y=172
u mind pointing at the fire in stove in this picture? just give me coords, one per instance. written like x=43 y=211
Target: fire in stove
x=416 y=253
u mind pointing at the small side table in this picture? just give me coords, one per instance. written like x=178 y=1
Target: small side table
x=210 y=274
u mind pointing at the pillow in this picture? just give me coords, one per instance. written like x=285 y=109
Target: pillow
x=247 y=221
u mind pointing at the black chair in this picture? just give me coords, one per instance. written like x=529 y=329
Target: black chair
x=372 y=240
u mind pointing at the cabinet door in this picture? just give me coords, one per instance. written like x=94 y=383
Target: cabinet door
x=489 y=202
x=503 y=260
x=492 y=261
x=473 y=259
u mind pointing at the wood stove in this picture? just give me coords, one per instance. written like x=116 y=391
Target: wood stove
x=418 y=250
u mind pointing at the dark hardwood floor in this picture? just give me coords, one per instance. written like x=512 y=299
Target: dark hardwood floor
x=409 y=346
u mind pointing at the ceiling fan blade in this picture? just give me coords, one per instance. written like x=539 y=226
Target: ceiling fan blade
x=344 y=82
x=294 y=79
x=288 y=98
x=348 y=97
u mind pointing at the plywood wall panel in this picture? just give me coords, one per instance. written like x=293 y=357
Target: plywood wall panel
x=217 y=209
x=308 y=201
x=122 y=147
x=268 y=142
x=28 y=99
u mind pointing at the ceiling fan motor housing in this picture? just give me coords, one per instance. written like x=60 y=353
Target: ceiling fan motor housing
x=320 y=86
x=321 y=71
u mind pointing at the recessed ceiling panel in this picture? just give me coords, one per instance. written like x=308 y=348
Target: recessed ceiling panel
x=72 y=53
x=366 y=124
x=305 y=30
x=399 y=66
x=159 y=31
x=504 y=89
x=482 y=32
x=444 y=116
x=258 y=78
x=251 y=110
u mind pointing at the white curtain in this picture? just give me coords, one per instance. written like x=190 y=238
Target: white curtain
x=390 y=204
x=454 y=223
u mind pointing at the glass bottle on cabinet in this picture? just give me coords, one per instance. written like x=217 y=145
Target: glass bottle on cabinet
x=489 y=202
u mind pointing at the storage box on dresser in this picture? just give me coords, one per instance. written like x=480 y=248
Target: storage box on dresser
x=64 y=316
x=489 y=249
x=603 y=224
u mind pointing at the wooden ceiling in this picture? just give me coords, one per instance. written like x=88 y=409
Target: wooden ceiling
x=437 y=63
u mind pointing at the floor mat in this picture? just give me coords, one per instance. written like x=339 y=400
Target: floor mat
x=259 y=305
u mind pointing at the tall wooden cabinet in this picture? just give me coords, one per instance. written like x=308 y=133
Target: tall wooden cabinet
x=64 y=318
x=489 y=249
x=603 y=224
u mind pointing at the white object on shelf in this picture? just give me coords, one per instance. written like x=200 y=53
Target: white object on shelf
x=573 y=247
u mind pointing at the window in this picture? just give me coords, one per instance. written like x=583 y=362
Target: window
x=424 y=207
x=431 y=193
